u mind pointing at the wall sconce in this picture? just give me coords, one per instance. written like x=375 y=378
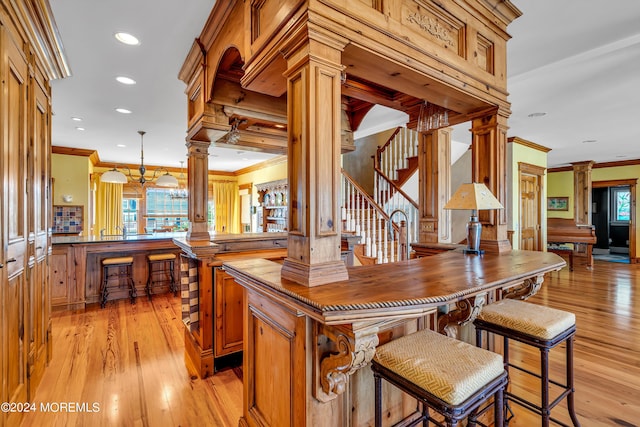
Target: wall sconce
x=67 y=198
x=233 y=136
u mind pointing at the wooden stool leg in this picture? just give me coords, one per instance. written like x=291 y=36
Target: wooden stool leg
x=570 y=398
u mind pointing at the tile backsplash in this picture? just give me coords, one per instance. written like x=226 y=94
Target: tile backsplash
x=67 y=219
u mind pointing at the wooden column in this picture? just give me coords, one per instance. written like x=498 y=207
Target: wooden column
x=434 y=159
x=489 y=166
x=313 y=113
x=198 y=172
x=582 y=192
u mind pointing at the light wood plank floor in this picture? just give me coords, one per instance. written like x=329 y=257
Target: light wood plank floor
x=129 y=360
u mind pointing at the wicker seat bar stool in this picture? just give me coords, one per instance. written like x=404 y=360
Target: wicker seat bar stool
x=118 y=268
x=449 y=376
x=543 y=328
x=161 y=267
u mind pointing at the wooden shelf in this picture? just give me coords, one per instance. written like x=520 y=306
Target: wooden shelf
x=273 y=197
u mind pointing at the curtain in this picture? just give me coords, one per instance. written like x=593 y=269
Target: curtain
x=226 y=199
x=108 y=208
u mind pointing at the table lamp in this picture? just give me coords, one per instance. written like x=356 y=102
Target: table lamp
x=473 y=196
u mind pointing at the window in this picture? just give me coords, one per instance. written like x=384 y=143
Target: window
x=130 y=215
x=621 y=204
x=164 y=212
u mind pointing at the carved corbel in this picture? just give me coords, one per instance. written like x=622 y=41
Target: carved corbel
x=528 y=288
x=351 y=350
x=466 y=311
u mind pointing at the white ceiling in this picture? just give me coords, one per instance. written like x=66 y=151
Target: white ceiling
x=578 y=61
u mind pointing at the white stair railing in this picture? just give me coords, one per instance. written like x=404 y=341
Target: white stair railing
x=362 y=217
x=394 y=154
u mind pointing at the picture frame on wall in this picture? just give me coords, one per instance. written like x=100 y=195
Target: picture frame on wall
x=558 y=203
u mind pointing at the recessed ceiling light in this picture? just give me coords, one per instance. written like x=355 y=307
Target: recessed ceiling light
x=120 y=145
x=125 y=80
x=79 y=128
x=245 y=159
x=123 y=111
x=76 y=119
x=540 y=114
x=127 y=38
x=279 y=126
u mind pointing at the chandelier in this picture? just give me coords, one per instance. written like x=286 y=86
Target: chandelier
x=180 y=193
x=117 y=177
x=432 y=117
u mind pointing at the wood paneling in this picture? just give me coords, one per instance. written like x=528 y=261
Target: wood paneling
x=30 y=55
x=228 y=312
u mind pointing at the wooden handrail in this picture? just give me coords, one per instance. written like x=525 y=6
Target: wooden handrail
x=365 y=195
x=395 y=187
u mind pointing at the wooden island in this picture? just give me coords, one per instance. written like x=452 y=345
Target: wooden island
x=310 y=346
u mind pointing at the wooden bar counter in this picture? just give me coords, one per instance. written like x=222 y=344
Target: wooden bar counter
x=76 y=264
x=307 y=348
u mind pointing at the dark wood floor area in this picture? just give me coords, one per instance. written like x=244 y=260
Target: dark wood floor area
x=129 y=360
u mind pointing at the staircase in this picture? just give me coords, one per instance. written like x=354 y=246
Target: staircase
x=369 y=216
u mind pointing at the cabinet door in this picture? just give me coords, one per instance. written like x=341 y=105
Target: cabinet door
x=13 y=139
x=228 y=305
x=38 y=283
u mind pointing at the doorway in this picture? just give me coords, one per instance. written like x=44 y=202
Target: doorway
x=614 y=220
x=530 y=190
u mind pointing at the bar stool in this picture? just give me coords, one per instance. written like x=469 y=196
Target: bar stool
x=543 y=328
x=161 y=260
x=123 y=267
x=449 y=376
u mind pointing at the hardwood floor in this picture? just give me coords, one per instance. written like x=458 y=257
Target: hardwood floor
x=129 y=360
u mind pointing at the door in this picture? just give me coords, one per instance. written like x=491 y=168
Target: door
x=626 y=216
x=530 y=191
x=600 y=216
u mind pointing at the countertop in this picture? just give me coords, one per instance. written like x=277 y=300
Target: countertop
x=58 y=240
x=216 y=238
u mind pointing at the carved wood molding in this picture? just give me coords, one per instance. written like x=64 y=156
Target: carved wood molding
x=466 y=311
x=528 y=288
x=355 y=349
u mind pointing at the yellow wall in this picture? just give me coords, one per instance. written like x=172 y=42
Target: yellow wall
x=561 y=184
x=267 y=174
x=71 y=178
x=518 y=153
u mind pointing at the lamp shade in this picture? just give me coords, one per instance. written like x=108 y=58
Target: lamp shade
x=167 y=180
x=114 y=176
x=473 y=196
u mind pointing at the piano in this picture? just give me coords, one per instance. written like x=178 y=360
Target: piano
x=561 y=231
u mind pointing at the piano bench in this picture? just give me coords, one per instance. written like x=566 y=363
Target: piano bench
x=560 y=250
